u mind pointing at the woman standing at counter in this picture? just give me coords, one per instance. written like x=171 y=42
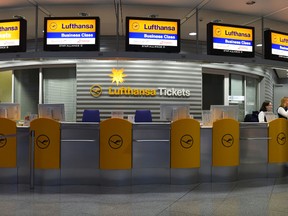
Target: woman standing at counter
x=266 y=107
x=282 y=109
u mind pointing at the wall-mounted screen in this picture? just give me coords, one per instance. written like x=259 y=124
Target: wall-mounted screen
x=152 y=35
x=276 y=45
x=230 y=40
x=71 y=33
x=173 y=112
x=13 y=35
x=10 y=111
x=52 y=111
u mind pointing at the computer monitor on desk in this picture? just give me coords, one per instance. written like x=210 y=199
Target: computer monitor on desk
x=52 y=111
x=222 y=112
x=10 y=111
x=173 y=112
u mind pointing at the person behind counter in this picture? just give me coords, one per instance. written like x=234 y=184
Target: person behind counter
x=266 y=107
x=282 y=109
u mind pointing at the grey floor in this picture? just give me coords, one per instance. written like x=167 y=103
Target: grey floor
x=246 y=197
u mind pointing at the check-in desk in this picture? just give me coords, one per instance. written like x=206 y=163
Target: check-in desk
x=253 y=150
x=151 y=156
x=151 y=153
x=80 y=153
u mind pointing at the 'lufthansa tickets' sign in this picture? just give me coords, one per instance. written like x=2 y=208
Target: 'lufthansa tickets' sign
x=150 y=32
x=232 y=38
x=9 y=34
x=279 y=44
x=71 y=31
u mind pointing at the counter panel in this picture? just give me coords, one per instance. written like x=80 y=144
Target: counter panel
x=80 y=153
x=151 y=153
x=253 y=150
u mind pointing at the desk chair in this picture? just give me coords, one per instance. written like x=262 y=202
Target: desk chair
x=143 y=116
x=91 y=116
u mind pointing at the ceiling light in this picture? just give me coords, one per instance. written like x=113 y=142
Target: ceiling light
x=192 y=33
x=259 y=45
x=250 y=2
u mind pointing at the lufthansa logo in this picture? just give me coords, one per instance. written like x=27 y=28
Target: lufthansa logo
x=3 y=140
x=135 y=25
x=115 y=141
x=96 y=90
x=186 y=141
x=43 y=141
x=217 y=31
x=281 y=138
x=227 y=140
x=53 y=26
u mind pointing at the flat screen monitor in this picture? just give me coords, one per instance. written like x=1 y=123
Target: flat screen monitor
x=71 y=33
x=276 y=45
x=13 y=34
x=152 y=35
x=173 y=112
x=52 y=111
x=230 y=40
x=10 y=111
x=219 y=112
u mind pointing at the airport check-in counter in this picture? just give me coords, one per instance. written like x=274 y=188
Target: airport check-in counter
x=151 y=153
x=151 y=163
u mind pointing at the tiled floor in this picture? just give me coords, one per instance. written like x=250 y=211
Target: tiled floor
x=248 y=197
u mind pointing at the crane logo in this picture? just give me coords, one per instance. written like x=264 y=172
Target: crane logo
x=281 y=138
x=3 y=140
x=186 y=141
x=115 y=141
x=42 y=141
x=227 y=140
x=96 y=90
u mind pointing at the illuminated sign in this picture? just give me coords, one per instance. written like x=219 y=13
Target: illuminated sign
x=223 y=39
x=71 y=33
x=148 y=92
x=276 y=45
x=13 y=35
x=117 y=76
x=96 y=91
x=156 y=35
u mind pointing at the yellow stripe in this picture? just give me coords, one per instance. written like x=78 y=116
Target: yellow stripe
x=279 y=39
x=225 y=148
x=61 y=25
x=115 y=144
x=228 y=32
x=47 y=143
x=150 y=26
x=10 y=35
x=7 y=144
x=278 y=144
x=185 y=144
